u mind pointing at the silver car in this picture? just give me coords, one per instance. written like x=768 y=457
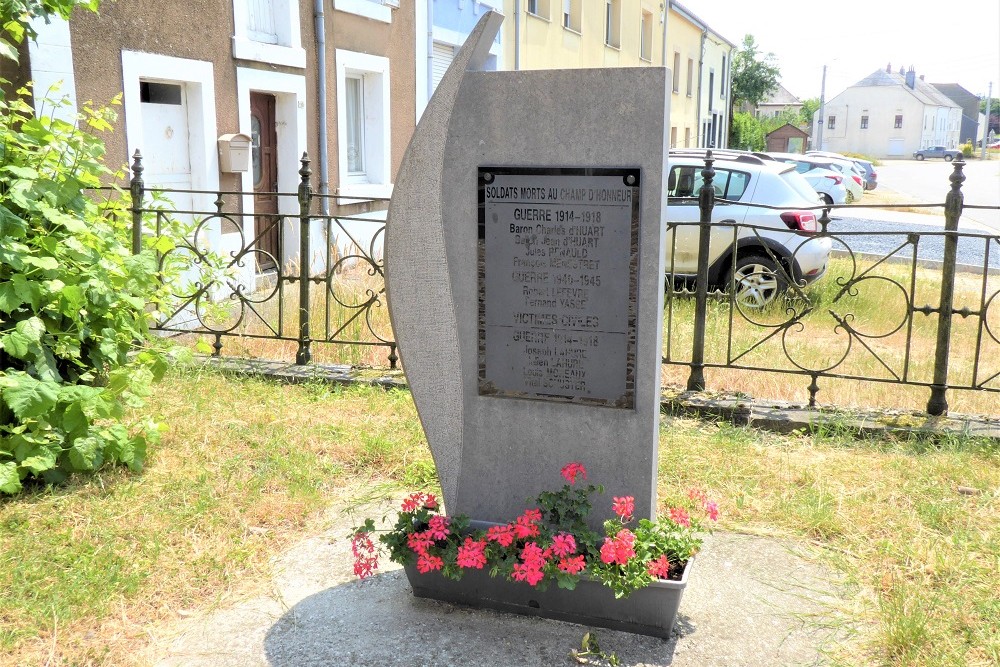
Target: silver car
x=769 y=247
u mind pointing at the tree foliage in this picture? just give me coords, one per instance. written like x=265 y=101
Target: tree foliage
x=16 y=17
x=755 y=76
x=747 y=134
x=808 y=110
x=72 y=294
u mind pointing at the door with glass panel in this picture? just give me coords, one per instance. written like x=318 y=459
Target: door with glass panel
x=267 y=224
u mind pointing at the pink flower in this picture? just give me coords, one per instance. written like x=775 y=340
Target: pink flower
x=365 y=555
x=573 y=470
x=502 y=535
x=438 y=527
x=417 y=500
x=534 y=555
x=419 y=542
x=563 y=544
x=573 y=565
x=608 y=551
x=696 y=494
x=472 y=554
x=712 y=509
x=624 y=507
x=525 y=572
x=680 y=516
x=427 y=563
x=618 y=549
x=659 y=568
x=526 y=525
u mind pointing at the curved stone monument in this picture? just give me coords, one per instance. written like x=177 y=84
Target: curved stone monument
x=524 y=270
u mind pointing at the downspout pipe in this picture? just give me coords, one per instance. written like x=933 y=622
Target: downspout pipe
x=701 y=90
x=321 y=92
x=517 y=35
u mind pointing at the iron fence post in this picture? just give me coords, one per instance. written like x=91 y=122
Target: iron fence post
x=706 y=202
x=938 y=403
x=303 y=355
x=136 y=188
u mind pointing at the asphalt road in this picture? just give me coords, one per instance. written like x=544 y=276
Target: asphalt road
x=927 y=182
x=884 y=231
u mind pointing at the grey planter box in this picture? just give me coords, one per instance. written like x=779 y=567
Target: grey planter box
x=648 y=611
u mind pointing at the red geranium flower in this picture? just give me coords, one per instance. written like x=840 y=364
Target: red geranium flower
x=427 y=563
x=624 y=507
x=437 y=527
x=472 y=554
x=573 y=470
x=563 y=544
x=573 y=565
x=502 y=535
x=680 y=516
x=659 y=568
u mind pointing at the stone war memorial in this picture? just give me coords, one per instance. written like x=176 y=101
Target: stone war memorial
x=524 y=270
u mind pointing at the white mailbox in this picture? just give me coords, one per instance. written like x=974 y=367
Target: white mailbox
x=234 y=152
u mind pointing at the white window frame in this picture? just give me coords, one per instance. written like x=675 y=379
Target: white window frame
x=645 y=35
x=288 y=51
x=370 y=9
x=375 y=182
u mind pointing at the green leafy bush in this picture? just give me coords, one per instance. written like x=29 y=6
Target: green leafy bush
x=72 y=302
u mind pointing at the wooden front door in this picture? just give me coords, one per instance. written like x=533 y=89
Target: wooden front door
x=267 y=226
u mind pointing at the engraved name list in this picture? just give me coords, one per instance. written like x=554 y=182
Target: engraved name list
x=557 y=283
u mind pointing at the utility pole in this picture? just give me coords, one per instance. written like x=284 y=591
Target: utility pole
x=822 y=113
x=986 y=130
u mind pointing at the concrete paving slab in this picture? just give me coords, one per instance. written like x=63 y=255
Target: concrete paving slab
x=751 y=601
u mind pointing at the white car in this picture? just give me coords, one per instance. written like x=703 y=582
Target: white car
x=829 y=184
x=853 y=178
x=777 y=245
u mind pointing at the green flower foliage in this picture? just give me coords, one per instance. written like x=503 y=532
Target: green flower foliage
x=72 y=302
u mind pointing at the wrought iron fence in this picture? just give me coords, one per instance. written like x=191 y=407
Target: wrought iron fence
x=822 y=333
x=318 y=284
x=321 y=291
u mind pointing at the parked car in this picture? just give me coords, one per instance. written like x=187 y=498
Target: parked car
x=867 y=169
x=760 y=260
x=948 y=154
x=995 y=144
x=850 y=171
x=870 y=176
x=829 y=184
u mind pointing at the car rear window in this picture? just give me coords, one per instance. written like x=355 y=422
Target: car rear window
x=799 y=185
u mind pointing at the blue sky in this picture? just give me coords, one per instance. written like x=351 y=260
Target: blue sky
x=948 y=42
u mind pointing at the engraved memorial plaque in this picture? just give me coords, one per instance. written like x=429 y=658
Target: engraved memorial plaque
x=558 y=251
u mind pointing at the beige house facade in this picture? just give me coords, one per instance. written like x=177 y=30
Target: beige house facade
x=253 y=68
x=889 y=115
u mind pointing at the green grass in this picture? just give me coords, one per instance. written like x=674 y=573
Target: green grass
x=248 y=466
x=876 y=308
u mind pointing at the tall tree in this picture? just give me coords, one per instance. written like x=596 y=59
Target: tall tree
x=755 y=75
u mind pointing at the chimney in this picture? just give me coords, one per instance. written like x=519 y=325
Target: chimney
x=921 y=77
x=911 y=77
x=888 y=68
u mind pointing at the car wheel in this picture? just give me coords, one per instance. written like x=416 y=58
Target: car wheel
x=758 y=281
x=948 y=158
x=828 y=199
x=919 y=156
